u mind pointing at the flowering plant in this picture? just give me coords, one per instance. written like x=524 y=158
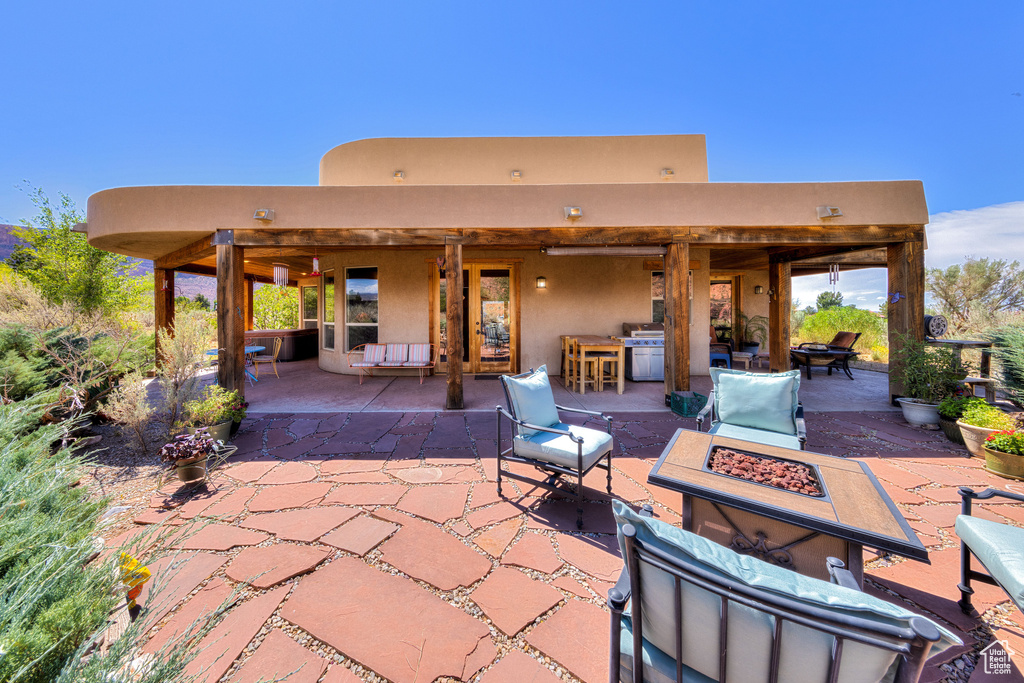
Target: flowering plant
x=215 y=405
x=188 y=447
x=1010 y=441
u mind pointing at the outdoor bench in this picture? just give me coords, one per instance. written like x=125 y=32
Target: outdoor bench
x=998 y=547
x=423 y=357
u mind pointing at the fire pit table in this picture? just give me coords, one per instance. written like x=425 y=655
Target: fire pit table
x=788 y=507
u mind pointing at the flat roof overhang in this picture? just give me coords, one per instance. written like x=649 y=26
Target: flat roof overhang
x=153 y=222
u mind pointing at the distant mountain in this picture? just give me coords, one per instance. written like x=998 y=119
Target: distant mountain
x=7 y=241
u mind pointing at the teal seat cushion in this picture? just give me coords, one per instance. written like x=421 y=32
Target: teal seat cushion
x=532 y=400
x=1000 y=548
x=757 y=400
x=756 y=435
x=805 y=652
x=658 y=666
x=560 y=449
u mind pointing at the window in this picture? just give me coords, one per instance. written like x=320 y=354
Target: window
x=658 y=296
x=360 y=307
x=328 y=332
x=309 y=308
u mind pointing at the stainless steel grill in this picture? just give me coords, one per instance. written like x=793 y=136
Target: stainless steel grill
x=645 y=351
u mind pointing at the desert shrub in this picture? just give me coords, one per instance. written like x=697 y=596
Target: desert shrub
x=823 y=326
x=1008 y=353
x=129 y=406
x=182 y=357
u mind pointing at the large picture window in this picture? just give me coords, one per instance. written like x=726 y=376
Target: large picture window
x=328 y=304
x=360 y=307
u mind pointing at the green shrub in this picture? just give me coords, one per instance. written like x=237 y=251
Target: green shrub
x=927 y=373
x=983 y=415
x=1008 y=353
x=953 y=407
x=826 y=323
x=215 y=405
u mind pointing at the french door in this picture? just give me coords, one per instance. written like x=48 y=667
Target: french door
x=490 y=316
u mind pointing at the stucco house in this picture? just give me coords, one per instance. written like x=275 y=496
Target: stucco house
x=497 y=246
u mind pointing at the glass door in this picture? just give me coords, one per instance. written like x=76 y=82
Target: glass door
x=489 y=321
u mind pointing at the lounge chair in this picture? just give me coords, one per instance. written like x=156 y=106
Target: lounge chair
x=754 y=406
x=815 y=354
x=696 y=611
x=541 y=439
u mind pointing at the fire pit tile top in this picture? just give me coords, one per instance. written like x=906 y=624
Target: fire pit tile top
x=854 y=504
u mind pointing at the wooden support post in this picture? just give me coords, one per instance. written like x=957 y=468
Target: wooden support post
x=677 y=318
x=230 y=318
x=781 y=289
x=453 y=280
x=906 y=314
x=249 y=282
x=163 y=302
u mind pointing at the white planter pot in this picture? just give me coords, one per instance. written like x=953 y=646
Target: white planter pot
x=924 y=415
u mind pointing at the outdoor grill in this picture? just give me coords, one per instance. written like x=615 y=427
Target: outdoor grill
x=645 y=351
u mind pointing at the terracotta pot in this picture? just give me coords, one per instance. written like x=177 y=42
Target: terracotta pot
x=951 y=430
x=924 y=415
x=1004 y=464
x=974 y=438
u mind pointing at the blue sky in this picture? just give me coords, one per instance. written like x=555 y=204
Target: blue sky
x=102 y=95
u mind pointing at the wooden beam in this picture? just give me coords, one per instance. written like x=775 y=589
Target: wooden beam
x=906 y=315
x=230 y=318
x=249 y=282
x=641 y=235
x=163 y=302
x=677 y=319
x=200 y=249
x=454 y=345
x=211 y=271
x=781 y=289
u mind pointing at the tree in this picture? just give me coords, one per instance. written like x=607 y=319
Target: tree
x=829 y=300
x=275 y=308
x=972 y=295
x=202 y=302
x=66 y=268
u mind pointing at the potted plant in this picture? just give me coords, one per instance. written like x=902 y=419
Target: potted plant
x=753 y=332
x=1004 y=454
x=216 y=409
x=979 y=421
x=188 y=455
x=950 y=410
x=928 y=375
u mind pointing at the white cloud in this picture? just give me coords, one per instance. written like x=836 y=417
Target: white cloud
x=995 y=232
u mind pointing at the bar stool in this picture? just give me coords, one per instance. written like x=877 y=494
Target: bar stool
x=581 y=376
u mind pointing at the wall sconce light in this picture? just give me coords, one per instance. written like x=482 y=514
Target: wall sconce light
x=516 y=176
x=264 y=215
x=573 y=213
x=829 y=212
x=542 y=283
x=771 y=295
x=399 y=176
x=667 y=174
x=758 y=289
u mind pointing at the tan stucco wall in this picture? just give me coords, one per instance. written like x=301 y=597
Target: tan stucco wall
x=541 y=160
x=584 y=295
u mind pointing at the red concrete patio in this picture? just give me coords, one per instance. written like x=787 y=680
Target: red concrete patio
x=372 y=545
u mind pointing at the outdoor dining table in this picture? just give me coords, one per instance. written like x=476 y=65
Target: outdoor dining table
x=594 y=344
x=250 y=351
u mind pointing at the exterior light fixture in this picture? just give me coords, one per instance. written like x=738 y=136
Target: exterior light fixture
x=758 y=289
x=281 y=274
x=829 y=212
x=516 y=176
x=264 y=215
x=667 y=174
x=573 y=213
x=542 y=283
x=399 y=176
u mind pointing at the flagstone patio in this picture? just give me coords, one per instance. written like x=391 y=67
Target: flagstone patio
x=370 y=545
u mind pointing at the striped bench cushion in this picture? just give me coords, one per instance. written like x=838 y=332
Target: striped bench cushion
x=397 y=355
x=419 y=356
x=373 y=354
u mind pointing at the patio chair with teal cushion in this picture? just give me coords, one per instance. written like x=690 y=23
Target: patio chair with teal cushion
x=758 y=407
x=541 y=439
x=998 y=547
x=695 y=611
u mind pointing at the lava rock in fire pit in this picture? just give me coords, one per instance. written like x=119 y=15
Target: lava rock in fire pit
x=761 y=469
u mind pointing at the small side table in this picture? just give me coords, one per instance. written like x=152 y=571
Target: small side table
x=741 y=357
